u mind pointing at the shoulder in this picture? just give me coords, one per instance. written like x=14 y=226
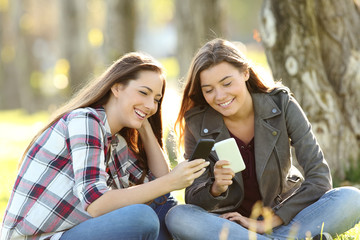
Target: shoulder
x=196 y=111
x=202 y=113
x=281 y=96
x=87 y=113
x=280 y=91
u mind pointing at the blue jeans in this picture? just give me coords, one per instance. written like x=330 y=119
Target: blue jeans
x=338 y=209
x=161 y=206
x=138 y=221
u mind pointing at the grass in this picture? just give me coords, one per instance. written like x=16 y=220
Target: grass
x=17 y=128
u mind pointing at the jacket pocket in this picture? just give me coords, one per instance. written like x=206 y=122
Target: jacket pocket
x=290 y=185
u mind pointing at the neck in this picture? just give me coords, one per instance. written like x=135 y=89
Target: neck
x=113 y=123
x=244 y=114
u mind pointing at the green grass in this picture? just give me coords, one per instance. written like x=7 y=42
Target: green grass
x=17 y=128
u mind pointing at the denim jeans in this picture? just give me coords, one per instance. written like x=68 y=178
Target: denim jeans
x=338 y=210
x=138 y=221
x=161 y=206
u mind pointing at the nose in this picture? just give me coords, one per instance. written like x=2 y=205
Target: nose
x=219 y=94
x=151 y=105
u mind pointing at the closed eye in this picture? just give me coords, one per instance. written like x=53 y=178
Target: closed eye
x=207 y=89
x=227 y=84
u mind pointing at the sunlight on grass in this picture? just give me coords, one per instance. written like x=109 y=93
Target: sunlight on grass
x=17 y=128
x=352 y=234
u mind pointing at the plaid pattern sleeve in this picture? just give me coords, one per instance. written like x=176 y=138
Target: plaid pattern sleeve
x=62 y=173
x=124 y=166
x=87 y=152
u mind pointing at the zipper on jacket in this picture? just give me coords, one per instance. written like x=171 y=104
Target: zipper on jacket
x=278 y=200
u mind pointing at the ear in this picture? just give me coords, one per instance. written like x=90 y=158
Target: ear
x=247 y=74
x=116 y=88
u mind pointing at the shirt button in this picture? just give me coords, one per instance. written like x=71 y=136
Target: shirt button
x=206 y=130
x=274 y=110
x=274 y=133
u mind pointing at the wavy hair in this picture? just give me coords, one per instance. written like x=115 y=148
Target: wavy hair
x=97 y=92
x=212 y=53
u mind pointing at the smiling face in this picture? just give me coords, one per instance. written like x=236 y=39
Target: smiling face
x=224 y=89
x=134 y=102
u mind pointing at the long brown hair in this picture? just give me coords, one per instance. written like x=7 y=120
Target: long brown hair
x=212 y=53
x=97 y=92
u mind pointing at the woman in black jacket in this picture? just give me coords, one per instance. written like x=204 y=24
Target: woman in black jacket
x=225 y=98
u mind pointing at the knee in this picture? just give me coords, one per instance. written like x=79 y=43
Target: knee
x=352 y=194
x=350 y=197
x=144 y=217
x=180 y=217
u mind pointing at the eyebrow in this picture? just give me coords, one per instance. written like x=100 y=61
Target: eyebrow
x=151 y=90
x=221 y=80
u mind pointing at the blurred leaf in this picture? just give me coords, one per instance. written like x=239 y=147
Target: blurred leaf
x=4 y=5
x=62 y=66
x=162 y=11
x=172 y=67
x=8 y=53
x=35 y=79
x=95 y=37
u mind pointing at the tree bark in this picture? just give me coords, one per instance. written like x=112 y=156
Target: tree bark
x=313 y=47
x=74 y=45
x=120 y=28
x=197 y=22
x=16 y=61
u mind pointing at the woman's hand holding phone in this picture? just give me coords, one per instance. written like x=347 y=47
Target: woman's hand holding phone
x=184 y=174
x=223 y=178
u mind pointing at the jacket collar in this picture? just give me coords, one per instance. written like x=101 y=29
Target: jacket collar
x=266 y=134
x=264 y=106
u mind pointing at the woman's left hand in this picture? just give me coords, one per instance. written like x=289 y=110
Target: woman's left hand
x=264 y=226
x=145 y=126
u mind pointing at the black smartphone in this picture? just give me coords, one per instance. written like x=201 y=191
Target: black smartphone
x=202 y=149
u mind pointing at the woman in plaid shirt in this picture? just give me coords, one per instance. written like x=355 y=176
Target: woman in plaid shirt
x=98 y=170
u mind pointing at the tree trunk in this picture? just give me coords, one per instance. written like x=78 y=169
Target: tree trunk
x=197 y=22
x=120 y=28
x=313 y=47
x=74 y=41
x=9 y=94
x=15 y=60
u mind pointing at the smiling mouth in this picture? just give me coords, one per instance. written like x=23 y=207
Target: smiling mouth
x=140 y=113
x=225 y=104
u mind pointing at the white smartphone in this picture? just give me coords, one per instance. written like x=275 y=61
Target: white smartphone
x=228 y=150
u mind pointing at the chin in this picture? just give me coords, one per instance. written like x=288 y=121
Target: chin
x=134 y=125
x=226 y=113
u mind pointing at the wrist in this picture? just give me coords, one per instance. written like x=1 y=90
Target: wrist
x=213 y=191
x=276 y=221
x=167 y=182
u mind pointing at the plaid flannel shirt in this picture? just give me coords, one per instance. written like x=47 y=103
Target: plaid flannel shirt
x=65 y=171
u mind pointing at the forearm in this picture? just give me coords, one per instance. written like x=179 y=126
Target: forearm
x=157 y=161
x=199 y=194
x=115 y=199
x=180 y=177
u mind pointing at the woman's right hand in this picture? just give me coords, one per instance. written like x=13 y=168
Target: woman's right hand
x=184 y=174
x=223 y=178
